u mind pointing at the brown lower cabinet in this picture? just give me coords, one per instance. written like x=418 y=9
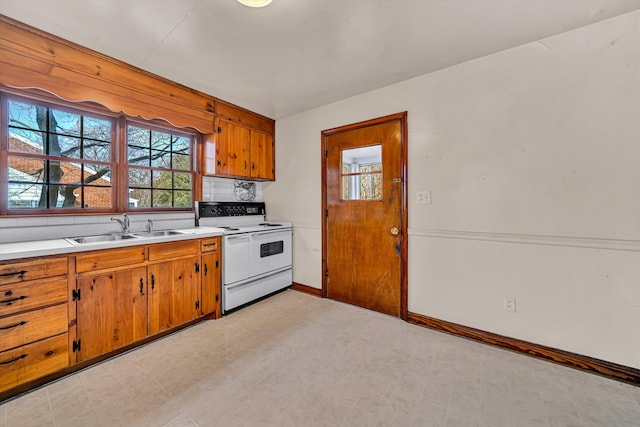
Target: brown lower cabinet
x=62 y=311
x=111 y=311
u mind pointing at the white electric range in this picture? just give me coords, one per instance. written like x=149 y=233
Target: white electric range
x=256 y=254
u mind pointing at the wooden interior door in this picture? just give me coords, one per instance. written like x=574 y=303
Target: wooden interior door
x=112 y=311
x=364 y=250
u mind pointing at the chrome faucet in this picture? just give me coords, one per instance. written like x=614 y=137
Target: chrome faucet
x=149 y=225
x=124 y=222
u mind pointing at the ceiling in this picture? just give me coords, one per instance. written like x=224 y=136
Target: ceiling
x=294 y=55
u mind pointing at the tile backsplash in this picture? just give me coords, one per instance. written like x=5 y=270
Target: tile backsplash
x=56 y=227
x=230 y=190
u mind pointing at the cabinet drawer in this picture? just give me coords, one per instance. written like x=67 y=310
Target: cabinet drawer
x=23 y=296
x=34 y=269
x=29 y=362
x=110 y=258
x=209 y=245
x=25 y=328
x=173 y=250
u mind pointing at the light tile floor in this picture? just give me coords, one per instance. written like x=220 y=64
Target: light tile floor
x=299 y=360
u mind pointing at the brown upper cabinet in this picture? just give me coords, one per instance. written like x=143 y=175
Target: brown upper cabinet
x=236 y=150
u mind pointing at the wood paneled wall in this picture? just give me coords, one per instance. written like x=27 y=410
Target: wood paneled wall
x=30 y=58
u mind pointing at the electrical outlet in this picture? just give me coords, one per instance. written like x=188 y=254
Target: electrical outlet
x=423 y=197
x=510 y=304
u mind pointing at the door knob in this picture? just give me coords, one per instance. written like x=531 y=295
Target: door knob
x=394 y=231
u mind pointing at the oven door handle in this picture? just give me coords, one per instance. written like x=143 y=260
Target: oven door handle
x=265 y=233
x=242 y=236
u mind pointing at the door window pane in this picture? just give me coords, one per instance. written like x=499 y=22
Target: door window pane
x=362 y=173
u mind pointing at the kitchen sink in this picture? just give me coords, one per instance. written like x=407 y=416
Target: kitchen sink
x=100 y=238
x=159 y=233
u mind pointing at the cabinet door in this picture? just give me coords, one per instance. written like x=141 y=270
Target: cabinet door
x=262 y=159
x=160 y=301
x=211 y=283
x=111 y=311
x=173 y=293
x=233 y=147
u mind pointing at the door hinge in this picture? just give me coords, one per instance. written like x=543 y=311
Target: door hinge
x=326 y=212
x=217 y=298
x=219 y=129
x=217 y=263
x=75 y=295
x=197 y=268
x=326 y=152
x=326 y=273
x=197 y=305
x=76 y=346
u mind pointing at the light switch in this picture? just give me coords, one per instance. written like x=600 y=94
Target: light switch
x=423 y=197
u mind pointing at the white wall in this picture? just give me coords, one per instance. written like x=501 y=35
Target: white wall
x=532 y=156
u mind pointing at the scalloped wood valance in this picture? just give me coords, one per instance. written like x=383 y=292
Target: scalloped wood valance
x=33 y=59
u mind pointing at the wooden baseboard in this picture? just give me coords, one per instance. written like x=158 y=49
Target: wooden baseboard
x=585 y=363
x=306 y=289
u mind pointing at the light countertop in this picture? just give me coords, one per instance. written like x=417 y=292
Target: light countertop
x=9 y=251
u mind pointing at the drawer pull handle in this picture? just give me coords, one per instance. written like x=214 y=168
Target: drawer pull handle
x=8 y=362
x=10 y=301
x=19 y=273
x=4 y=328
x=209 y=244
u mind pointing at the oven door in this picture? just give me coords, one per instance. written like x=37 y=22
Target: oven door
x=269 y=251
x=235 y=258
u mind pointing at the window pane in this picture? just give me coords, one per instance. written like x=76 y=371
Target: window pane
x=182 y=181
x=25 y=196
x=95 y=150
x=26 y=141
x=64 y=173
x=363 y=155
x=161 y=159
x=96 y=129
x=68 y=196
x=67 y=146
x=137 y=136
x=26 y=169
x=182 y=199
x=362 y=173
x=162 y=179
x=64 y=123
x=138 y=156
x=25 y=115
x=362 y=187
x=181 y=144
x=181 y=162
x=99 y=175
x=139 y=178
x=139 y=198
x=97 y=197
x=162 y=198
x=160 y=141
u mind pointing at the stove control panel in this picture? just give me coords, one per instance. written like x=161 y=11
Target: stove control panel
x=222 y=209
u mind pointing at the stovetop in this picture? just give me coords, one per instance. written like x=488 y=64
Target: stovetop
x=236 y=217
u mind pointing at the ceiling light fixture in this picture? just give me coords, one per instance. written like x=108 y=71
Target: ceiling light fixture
x=254 y=3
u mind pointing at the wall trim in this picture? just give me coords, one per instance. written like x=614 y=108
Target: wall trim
x=573 y=360
x=306 y=289
x=531 y=239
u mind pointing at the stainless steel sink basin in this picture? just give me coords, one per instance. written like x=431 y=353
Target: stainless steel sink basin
x=159 y=233
x=100 y=238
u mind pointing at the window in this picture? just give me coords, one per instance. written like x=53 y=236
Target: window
x=58 y=158
x=362 y=173
x=160 y=168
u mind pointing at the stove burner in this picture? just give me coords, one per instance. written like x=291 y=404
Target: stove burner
x=270 y=224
